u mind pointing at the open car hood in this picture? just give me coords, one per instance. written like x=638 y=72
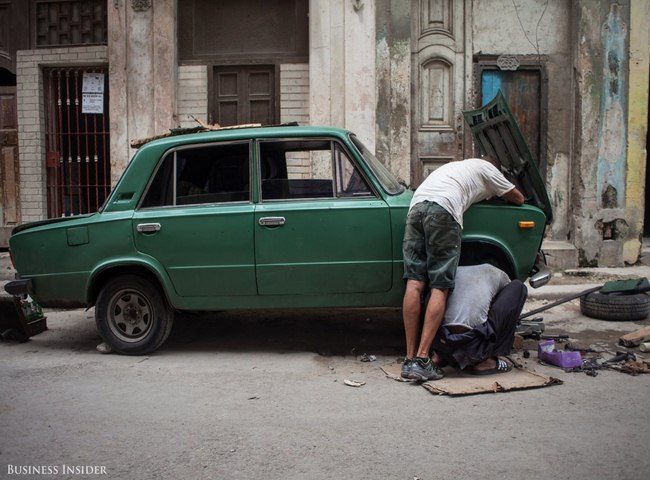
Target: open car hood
x=496 y=132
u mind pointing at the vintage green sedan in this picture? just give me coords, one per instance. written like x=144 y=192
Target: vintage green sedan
x=269 y=217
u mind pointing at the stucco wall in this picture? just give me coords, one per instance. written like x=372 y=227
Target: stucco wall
x=601 y=63
x=538 y=27
x=342 y=66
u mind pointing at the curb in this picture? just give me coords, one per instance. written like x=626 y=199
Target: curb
x=556 y=292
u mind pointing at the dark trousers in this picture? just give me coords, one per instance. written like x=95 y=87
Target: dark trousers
x=491 y=339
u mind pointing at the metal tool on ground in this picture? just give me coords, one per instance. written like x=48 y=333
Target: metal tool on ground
x=613 y=287
x=532 y=328
x=621 y=357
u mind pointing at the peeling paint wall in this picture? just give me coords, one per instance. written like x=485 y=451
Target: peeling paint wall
x=613 y=102
x=393 y=53
x=608 y=189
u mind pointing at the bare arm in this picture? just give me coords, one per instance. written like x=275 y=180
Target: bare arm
x=514 y=196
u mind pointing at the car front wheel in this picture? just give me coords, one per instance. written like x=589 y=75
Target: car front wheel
x=132 y=316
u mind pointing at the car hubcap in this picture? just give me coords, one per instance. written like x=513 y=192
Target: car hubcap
x=130 y=316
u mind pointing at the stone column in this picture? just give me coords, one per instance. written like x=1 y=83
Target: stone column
x=394 y=86
x=342 y=66
x=142 y=73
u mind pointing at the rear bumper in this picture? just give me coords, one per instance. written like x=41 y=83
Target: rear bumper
x=18 y=287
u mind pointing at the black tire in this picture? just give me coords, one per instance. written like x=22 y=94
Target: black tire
x=132 y=316
x=615 y=306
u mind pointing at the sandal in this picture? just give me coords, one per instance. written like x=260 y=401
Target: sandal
x=501 y=367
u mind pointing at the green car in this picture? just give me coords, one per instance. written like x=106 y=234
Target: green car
x=252 y=218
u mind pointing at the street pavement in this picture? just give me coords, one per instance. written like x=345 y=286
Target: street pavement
x=241 y=395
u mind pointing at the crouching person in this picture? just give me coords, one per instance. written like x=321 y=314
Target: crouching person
x=480 y=321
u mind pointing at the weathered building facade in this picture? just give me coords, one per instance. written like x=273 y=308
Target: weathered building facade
x=89 y=76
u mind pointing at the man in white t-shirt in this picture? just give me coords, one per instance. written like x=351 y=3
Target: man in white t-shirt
x=431 y=248
x=480 y=321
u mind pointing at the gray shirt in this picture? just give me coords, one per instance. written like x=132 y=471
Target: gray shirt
x=476 y=286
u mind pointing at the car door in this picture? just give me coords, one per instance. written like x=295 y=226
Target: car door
x=319 y=227
x=196 y=220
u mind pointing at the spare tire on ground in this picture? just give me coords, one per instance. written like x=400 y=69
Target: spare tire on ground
x=619 y=306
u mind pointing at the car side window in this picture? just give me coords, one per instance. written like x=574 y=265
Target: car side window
x=300 y=169
x=200 y=175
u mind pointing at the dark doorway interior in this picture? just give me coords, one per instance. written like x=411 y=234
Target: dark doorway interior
x=7 y=79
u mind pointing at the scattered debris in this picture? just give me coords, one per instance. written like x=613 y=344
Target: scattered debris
x=354 y=383
x=634 y=367
x=576 y=347
x=621 y=357
x=564 y=359
x=621 y=361
x=20 y=317
x=557 y=338
x=367 y=358
x=518 y=342
x=532 y=328
x=635 y=339
x=104 y=348
x=645 y=347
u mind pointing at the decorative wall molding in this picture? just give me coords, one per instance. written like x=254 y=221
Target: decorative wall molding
x=508 y=62
x=140 y=5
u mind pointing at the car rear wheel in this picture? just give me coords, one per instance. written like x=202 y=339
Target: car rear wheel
x=132 y=316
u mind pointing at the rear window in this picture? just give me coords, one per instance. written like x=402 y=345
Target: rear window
x=202 y=174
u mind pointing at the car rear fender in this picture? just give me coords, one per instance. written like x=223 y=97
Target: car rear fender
x=148 y=268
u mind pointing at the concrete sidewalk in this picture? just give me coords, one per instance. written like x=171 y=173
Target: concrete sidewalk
x=573 y=281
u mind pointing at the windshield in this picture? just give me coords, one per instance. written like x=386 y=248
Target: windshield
x=385 y=177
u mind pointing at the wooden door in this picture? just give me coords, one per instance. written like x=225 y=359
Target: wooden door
x=438 y=85
x=9 y=193
x=243 y=94
x=522 y=90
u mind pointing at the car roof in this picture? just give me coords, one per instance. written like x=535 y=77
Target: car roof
x=200 y=134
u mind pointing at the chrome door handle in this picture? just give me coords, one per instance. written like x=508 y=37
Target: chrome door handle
x=272 y=221
x=148 y=227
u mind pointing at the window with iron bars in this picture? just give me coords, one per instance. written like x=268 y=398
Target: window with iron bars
x=69 y=22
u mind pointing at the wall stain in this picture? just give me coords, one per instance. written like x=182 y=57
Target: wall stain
x=612 y=133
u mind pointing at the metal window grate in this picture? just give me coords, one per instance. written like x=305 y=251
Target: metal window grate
x=77 y=139
x=70 y=22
